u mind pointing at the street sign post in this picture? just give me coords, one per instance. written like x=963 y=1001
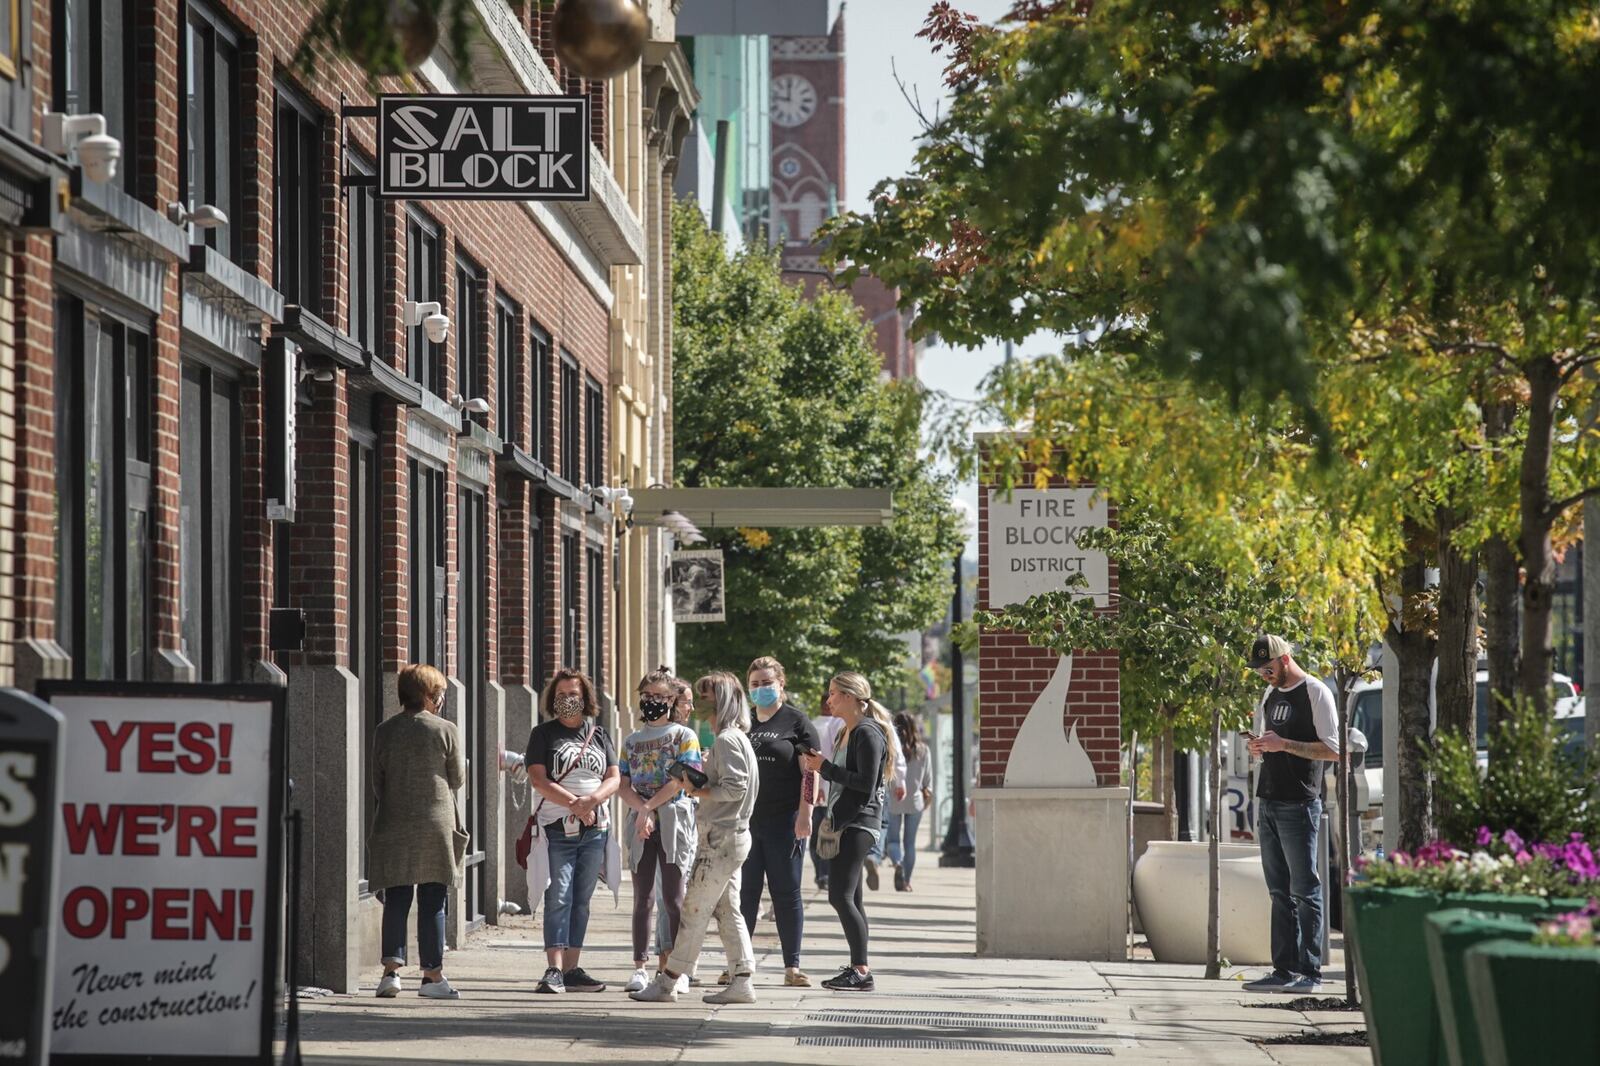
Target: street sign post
x=170 y=894
x=458 y=147
x=30 y=781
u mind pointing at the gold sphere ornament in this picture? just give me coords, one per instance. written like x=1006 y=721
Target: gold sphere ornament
x=390 y=36
x=600 y=39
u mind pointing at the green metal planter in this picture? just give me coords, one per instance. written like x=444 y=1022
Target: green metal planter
x=1535 y=1003
x=1450 y=933
x=1388 y=948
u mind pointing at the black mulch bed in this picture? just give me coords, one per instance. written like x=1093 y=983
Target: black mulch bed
x=1305 y=1003
x=1358 y=1038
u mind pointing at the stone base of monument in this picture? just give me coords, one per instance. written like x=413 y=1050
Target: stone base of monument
x=1053 y=872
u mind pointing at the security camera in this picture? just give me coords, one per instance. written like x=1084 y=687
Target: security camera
x=437 y=327
x=83 y=137
x=429 y=315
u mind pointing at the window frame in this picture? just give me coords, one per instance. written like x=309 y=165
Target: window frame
x=424 y=358
x=221 y=143
x=594 y=628
x=571 y=632
x=219 y=602
x=365 y=235
x=507 y=370
x=121 y=107
x=304 y=286
x=594 y=432
x=426 y=569
x=571 y=419
x=471 y=282
x=541 y=352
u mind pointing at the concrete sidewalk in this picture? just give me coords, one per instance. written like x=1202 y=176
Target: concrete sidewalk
x=935 y=998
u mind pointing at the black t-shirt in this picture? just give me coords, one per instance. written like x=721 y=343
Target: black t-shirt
x=778 y=742
x=1304 y=712
x=556 y=748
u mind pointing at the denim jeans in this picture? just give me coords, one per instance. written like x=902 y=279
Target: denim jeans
x=819 y=865
x=1289 y=861
x=430 y=923
x=875 y=854
x=776 y=858
x=903 y=841
x=574 y=868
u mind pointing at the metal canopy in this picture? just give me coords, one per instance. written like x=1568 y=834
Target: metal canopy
x=766 y=508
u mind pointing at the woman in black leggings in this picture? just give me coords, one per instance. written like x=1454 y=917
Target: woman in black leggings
x=858 y=772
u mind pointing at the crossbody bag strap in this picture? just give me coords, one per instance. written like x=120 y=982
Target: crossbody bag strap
x=581 y=752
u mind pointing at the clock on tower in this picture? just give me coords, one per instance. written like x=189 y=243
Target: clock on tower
x=794 y=99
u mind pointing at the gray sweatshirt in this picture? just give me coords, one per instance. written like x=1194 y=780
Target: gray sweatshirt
x=731 y=785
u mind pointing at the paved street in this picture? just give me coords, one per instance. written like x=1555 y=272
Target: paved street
x=933 y=996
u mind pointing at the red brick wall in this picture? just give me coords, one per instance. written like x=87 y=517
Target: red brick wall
x=1012 y=673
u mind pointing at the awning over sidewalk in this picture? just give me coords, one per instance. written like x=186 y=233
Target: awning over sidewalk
x=763 y=508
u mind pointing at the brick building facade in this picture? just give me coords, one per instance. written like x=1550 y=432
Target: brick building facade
x=146 y=530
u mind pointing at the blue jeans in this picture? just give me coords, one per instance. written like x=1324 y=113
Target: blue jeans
x=430 y=923
x=876 y=852
x=1289 y=861
x=574 y=869
x=778 y=858
x=903 y=841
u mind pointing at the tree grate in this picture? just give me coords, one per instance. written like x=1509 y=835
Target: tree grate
x=936 y=1044
x=956 y=1020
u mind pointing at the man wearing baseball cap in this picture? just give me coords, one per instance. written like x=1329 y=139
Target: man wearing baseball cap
x=1296 y=730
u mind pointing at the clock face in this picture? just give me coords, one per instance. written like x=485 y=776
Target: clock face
x=793 y=99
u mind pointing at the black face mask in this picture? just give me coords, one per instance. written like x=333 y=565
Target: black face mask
x=653 y=708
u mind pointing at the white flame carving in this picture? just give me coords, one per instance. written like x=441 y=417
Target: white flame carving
x=1044 y=755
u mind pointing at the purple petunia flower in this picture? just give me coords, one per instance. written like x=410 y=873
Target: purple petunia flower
x=1485 y=836
x=1512 y=840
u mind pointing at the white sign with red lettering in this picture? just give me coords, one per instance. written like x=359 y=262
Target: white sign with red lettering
x=165 y=892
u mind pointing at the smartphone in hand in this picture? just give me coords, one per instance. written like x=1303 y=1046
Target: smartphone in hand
x=684 y=772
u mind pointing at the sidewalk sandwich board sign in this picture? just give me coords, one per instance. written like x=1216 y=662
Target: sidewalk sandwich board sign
x=30 y=782
x=170 y=892
x=461 y=147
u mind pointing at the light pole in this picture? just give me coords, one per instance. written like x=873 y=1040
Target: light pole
x=958 y=846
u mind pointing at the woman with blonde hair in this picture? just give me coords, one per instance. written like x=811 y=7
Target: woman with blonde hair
x=417 y=843
x=727 y=793
x=857 y=773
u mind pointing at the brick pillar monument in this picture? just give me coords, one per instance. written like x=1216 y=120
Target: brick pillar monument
x=1052 y=836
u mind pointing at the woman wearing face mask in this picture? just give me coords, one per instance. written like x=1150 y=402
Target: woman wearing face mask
x=781 y=823
x=726 y=799
x=572 y=764
x=660 y=829
x=856 y=777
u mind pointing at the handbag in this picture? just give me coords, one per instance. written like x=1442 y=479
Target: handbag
x=525 y=841
x=828 y=838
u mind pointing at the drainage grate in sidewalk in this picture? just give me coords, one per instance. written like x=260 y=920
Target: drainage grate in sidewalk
x=935 y=1044
x=960 y=1020
x=998 y=997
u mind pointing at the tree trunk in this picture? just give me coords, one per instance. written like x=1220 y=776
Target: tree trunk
x=1214 y=862
x=1408 y=636
x=1456 y=692
x=1538 y=555
x=1349 y=821
x=1500 y=598
x=1169 y=795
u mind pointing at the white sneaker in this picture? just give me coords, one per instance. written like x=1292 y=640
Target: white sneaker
x=439 y=989
x=663 y=989
x=637 y=981
x=389 y=986
x=683 y=983
x=738 y=991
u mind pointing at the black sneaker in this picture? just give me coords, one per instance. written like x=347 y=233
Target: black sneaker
x=899 y=880
x=578 y=981
x=850 y=981
x=552 y=983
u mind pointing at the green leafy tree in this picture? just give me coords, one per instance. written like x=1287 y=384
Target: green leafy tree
x=772 y=389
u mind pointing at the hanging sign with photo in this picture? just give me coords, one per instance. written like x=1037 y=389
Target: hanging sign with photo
x=695 y=581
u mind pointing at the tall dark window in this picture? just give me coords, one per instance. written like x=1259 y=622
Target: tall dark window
x=422 y=285
x=594 y=641
x=538 y=605
x=427 y=542
x=93 y=69
x=506 y=348
x=544 y=395
x=102 y=392
x=363 y=259
x=297 y=201
x=571 y=420
x=208 y=126
x=208 y=450
x=569 y=599
x=469 y=331
x=594 y=432
x=366 y=575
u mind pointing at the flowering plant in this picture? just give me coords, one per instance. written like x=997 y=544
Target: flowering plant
x=1502 y=864
x=1572 y=930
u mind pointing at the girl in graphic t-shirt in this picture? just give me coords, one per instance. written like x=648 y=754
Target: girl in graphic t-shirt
x=660 y=829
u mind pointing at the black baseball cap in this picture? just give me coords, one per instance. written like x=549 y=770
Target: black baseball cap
x=1266 y=649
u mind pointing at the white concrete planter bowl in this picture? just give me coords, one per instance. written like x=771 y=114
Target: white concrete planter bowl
x=1169 y=888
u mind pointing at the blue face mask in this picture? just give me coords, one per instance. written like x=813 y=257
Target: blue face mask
x=765 y=695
